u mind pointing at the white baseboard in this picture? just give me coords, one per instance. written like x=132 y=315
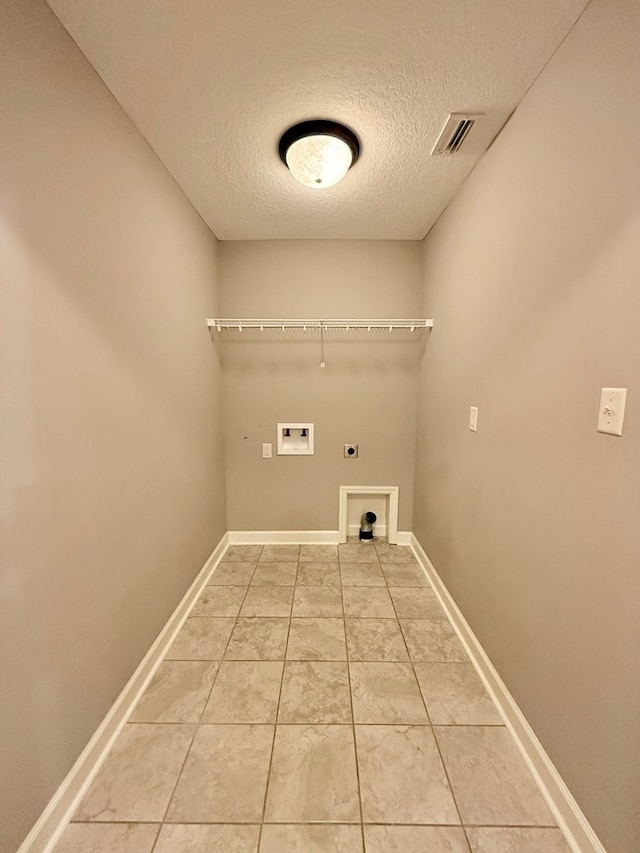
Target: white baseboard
x=576 y=828
x=299 y=537
x=52 y=822
x=283 y=537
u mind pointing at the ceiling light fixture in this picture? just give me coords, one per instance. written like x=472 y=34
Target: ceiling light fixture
x=319 y=153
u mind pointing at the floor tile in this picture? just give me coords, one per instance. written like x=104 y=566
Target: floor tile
x=245 y=692
x=242 y=553
x=402 y=779
x=237 y=573
x=386 y=693
x=177 y=692
x=198 y=838
x=318 y=554
x=403 y=574
x=136 y=781
x=416 y=602
x=375 y=640
x=498 y=839
x=315 y=692
x=219 y=601
x=489 y=777
x=415 y=839
x=258 y=638
x=277 y=553
x=317 y=601
x=432 y=641
x=454 y=695
x=224 y=777
x=367 y=602
x=357 y=553
x=313 y=775
x=361 y=574
x=275 y=574
x=394 y=553
x=108 y=837
x=268 y=601
x=203 y=747
x=317 y=639
x=201 y=639
x=318 y=574
x=338 y=838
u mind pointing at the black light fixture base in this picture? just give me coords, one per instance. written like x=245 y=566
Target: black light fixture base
x=318 y=127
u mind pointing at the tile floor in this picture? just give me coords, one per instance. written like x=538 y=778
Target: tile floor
x=316 y=700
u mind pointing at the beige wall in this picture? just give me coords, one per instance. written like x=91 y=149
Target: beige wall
x=533 y=522
x=366 y=394
x=112 y=487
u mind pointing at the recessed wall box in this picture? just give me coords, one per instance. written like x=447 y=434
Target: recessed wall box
x=295 y=439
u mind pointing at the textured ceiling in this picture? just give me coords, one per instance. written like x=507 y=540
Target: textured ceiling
x=212 y=84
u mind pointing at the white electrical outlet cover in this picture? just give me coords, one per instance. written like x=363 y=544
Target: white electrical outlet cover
x=611 y=414
x=266 y=450
x=473 y=418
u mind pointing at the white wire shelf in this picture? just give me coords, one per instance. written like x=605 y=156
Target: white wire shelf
x=391 y=325
x=222 y=325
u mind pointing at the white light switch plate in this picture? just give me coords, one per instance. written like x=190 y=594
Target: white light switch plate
x=473 y=418
x=266 y=451
x=611 y=414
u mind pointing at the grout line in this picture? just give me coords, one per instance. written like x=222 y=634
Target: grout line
x=275 y=725
x=283 y=723
x=233 y=628
x=179 y=776
x=433 y=734
x=317 y=660
x=353 y=716
x=213 y=684
x=181 y=822
x=155 y=840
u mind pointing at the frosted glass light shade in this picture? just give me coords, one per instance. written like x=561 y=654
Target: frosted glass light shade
x=319 y=161
x=319 y=153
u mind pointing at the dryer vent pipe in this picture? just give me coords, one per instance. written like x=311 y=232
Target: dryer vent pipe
x=366 y=525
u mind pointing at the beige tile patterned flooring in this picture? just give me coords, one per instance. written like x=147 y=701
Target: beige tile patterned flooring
x=316 y=700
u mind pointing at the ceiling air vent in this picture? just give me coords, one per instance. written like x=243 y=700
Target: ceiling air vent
x=455 y=132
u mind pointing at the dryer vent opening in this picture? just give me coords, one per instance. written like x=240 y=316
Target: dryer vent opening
x=366 y=525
